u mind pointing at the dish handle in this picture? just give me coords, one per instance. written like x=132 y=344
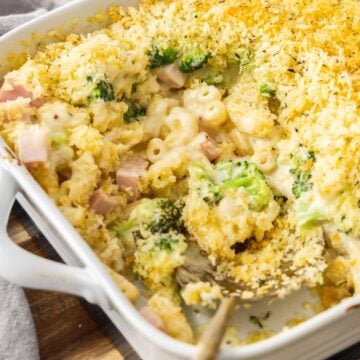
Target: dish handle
x=32 y=271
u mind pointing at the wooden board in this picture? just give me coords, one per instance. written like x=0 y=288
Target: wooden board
x=69 y=328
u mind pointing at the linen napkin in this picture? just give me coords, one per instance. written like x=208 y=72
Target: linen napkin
x=15 y=12
x=17 y=332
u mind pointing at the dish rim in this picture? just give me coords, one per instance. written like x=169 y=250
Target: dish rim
x=122 y=305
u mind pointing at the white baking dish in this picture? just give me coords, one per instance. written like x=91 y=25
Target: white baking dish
x=85 y=276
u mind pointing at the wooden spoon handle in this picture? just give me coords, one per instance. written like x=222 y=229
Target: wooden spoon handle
x=209 y=343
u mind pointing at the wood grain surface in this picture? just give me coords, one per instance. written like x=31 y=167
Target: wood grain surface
x=69 y=328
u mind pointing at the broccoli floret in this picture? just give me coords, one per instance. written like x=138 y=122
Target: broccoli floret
x=245 y=58
x=58 y=139
x=157 y=257
x=194 y=60
x=155 y=216
x=167 y=242
x=103 y=90
x=233 y=175
x=266 y=90
x=133 y=112
x=162 y=56
x=154 y=234
x=171 y=219
x=303 y=155
x=308 y=211
x=123 y=228
x=344 y=225
x=311 y=155
x=213 y=78
x=301 y=171
x=301 y=184
x=308 y=215
x=229 y=176
x=204 y=184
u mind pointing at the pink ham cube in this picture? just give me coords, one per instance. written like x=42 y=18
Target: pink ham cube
x=171 y=76
x=33 y=145
x=101 y=202
x=210 y=148
x=128 y=176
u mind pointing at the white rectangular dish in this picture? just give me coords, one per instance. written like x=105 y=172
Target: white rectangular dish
x=85 y=276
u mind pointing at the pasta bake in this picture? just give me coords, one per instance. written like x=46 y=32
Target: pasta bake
x=232 y=126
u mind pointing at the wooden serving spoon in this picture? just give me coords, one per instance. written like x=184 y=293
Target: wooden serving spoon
x=209 y=343
x=198 y=268
x=289 y=275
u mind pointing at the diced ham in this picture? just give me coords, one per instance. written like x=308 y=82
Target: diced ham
x=101 y=202
x=171 y=76
x=26 y=118
x=210 y=148
x=11 y=90
x=33 y=145
x=128 y=176
x=38 y=102
x=152 y=317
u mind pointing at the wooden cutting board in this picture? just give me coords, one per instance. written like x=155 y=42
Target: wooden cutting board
x=69 y=328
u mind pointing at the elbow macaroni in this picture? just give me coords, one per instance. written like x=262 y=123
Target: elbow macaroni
x=156 y=149
x=205 y=102
x=159 y=108
x=241 y=142
x=181 y=126
x=265 y=160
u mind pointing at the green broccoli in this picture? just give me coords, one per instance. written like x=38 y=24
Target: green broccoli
x=58 y=139
x=103 y=90
x=154 y=236
x=201 y=178
x=157 y=257
x=302 y=182
x=229 y=176
x=266 y=90
x=303 y=155
x=162 y=56
x=213 y=78
x=301 y=171
x=245 y=58
x=161 y=215
x=167 y=242
x=308 y=210
x=344 y=225
x=194 y=60
x=124 y=228
x=307 y=215
x=233 y=175
x=156 y=216
x=311 y=155
x=133 y=112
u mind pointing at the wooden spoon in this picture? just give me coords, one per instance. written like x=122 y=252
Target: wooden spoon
x=209 y=343
x=289 y=275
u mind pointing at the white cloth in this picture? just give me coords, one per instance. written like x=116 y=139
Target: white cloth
x=15 y=12
x=18 y=339
x=11 y=21
x=17 y=333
